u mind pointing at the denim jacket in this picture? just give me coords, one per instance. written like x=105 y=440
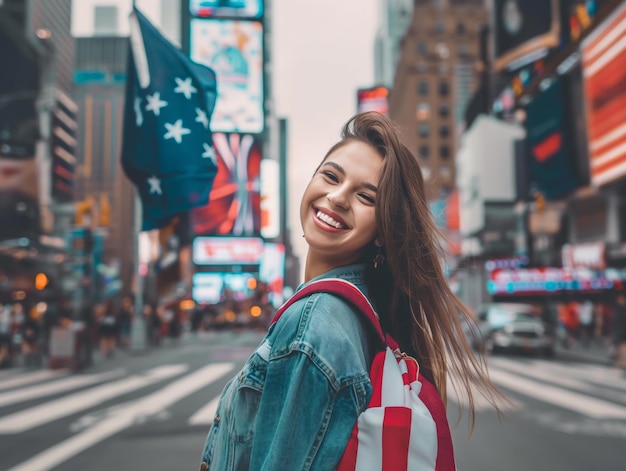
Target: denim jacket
x=294 y=403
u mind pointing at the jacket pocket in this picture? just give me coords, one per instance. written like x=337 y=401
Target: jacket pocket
x=247 y=398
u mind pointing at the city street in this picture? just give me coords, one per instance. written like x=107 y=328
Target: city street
x=153 y=410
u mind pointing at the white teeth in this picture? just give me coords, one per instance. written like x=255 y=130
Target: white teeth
x=328 y=220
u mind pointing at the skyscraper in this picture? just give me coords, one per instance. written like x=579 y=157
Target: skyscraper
x=435 y=78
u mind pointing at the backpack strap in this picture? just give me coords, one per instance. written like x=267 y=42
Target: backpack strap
x=349 y=292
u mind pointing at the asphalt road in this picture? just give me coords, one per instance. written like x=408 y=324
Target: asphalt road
x=152 y=410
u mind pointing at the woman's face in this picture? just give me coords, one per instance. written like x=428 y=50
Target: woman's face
x=337 y=211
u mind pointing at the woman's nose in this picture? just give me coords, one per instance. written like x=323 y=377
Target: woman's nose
x=337 y=198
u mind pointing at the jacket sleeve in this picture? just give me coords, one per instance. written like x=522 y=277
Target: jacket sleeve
x=299 y=411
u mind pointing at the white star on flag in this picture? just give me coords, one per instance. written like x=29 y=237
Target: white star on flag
x=176 y=131
x=209 y=153
x=138 y=114
x=185 y=87
x=155 y=185
x=201 y=117
x=155 y=103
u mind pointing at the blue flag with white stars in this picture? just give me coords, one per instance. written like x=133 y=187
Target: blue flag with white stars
x=167 y=151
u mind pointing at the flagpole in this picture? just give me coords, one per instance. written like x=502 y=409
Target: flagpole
x=138 y=328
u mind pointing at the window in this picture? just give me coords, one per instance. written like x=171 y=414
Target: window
x=422 y=48
x=424 y=130
x=423 y=111
x=461 y=29
x=424 y=152
x=446 y=172
x=444 y=130
x=444 y=111
x=422 y=67
x=105 y=20
x=444 y=89
x=462 y=49
x=422 y=88
x=440 y=27
x=444 y=152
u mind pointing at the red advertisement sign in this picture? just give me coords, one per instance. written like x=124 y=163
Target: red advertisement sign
x=604 y=56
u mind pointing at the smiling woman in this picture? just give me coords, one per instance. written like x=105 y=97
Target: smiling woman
x=367 y=223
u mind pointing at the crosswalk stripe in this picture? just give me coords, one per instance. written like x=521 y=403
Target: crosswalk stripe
x=55 y=387
x=27 y=378
x=206 y=414
x=603 y=377
x=53 y=410
x=481 y=403
x=124 y=418
x=565 y=399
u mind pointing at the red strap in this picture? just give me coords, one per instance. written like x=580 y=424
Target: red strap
x=345 y=290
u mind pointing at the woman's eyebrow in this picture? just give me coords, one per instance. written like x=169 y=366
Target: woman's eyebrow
x=340 y=169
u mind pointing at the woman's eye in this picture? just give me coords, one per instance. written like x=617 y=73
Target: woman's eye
x=331 y=176
x=367 y=198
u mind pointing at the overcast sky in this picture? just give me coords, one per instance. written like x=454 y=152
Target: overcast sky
x=322 y=52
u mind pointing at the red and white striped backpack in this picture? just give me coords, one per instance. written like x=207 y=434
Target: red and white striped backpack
x=405 y=426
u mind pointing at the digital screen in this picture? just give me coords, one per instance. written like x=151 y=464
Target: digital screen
x=272 y=271
x=234 y=206
x=213 y=288
x=234 y=50
x=226 y=8
x=227 y=250
x=373 y=99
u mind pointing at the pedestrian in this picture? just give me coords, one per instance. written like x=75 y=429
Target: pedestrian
x=6 y=347
x=366 y=220
x=585 y=321
x=619 y=330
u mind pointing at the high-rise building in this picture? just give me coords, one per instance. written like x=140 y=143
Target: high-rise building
x=395 y=18
x=434 y=80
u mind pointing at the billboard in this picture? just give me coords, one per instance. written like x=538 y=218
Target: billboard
x=549 y=144
x=227 y=250
x=373 y=99
x=234 y=50
x=210 y=288
x=226 y=8
x=272 y=271
x=604 y=77
x=270 y=198
x=525 y=30
x=234 y=206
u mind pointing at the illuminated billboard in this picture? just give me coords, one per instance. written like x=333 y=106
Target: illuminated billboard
x=227 y=250
x=525 y=31
x=226 y=8
x=604 y=76
x=234 y=50
x=234 y=206
x=211 y=287
x=373 y=99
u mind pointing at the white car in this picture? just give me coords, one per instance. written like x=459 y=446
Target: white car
x=513 y=326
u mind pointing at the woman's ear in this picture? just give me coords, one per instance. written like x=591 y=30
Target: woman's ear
x=377 y=242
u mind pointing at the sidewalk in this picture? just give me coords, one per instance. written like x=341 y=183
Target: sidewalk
x=594 y=353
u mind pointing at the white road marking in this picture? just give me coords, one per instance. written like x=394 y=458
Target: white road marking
x=580 y=403
x=27 y=378
x=125 y=418
x=63 y=407
x=206 y=414
x=55 y=387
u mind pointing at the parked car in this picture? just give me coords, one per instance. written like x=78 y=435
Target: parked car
x=513 y=326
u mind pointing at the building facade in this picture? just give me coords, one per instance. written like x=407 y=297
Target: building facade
x=434 y=80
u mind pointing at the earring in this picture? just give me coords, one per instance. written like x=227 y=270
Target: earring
x=379 y=258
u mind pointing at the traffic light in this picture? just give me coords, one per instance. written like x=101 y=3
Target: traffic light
x=540 y=201
x=83 y=208
x=41 y=281
x=105 y=210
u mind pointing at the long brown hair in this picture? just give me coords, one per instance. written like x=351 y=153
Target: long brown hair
x=410 y=290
